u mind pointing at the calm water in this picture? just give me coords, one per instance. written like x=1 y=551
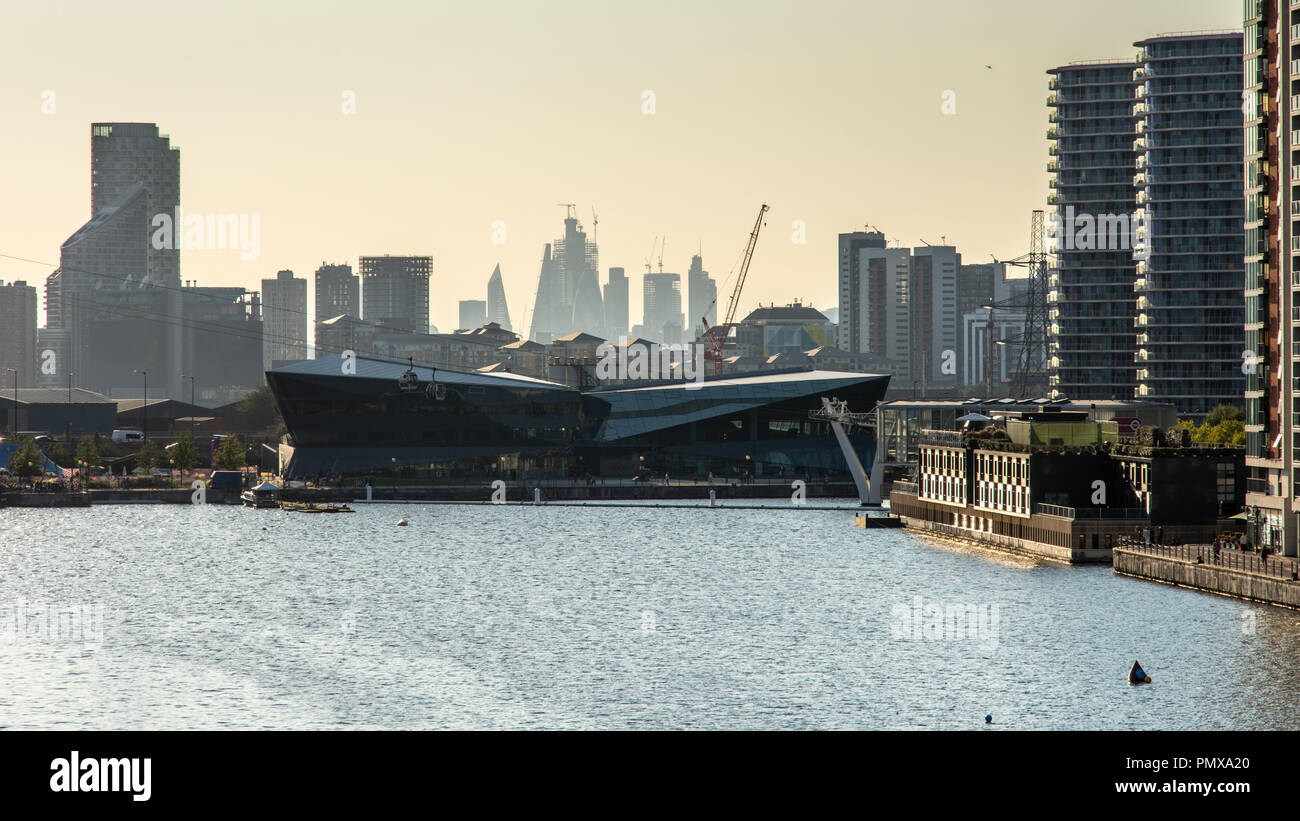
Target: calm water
x=553 y=617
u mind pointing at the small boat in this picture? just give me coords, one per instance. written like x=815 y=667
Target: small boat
x=1137 y=675
x=265 y=495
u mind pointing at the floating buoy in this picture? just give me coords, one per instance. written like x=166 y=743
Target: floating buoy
x=988 y=719
x=401 y=523
x=1137 y=675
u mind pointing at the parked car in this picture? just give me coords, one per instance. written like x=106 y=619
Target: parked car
x=121 y=437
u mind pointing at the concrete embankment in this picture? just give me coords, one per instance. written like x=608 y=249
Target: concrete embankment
x=1009 y=544
x=1231 y=573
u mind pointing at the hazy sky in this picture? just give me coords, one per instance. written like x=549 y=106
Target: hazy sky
x=468 y=113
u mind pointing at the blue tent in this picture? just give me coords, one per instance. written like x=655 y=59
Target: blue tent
x=7 y=449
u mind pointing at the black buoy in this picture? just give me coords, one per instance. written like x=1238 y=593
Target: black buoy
x=1137 y=675
x=988 y=719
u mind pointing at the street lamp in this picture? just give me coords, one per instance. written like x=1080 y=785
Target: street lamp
x=15 y=420
x=144 y=409
x=192 y=422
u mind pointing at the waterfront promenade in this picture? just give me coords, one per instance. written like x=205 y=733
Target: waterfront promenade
x=1233 y=572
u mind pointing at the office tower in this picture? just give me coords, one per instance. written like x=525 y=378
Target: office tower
x=497 y=309
x=1190 y=297
x=1272 y=217
x=18 y=334
x=1091 y=304
x=284 y=319
x=568 y=291
x=395 y=291
x=338 y=292
x=661 y=296
x=702 y=296
x=853 y=290
x=473 y=313
x=116 y=294
x=616 y=304
x=932 y=303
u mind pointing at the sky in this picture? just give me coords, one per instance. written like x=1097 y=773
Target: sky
x=469 y=117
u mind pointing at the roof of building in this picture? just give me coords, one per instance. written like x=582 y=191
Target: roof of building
x=369 y=368
x=55 y=396
x=577 y=337
x=524 y=345
x=794 y=312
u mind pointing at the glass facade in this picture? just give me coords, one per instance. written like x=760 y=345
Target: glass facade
x=453 y=424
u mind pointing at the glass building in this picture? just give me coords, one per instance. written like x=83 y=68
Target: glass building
x=1190 y=302
x=445 y=424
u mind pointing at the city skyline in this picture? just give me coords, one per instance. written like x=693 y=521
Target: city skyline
x=259 y=138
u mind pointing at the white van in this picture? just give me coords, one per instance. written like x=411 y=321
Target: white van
x=122 y=437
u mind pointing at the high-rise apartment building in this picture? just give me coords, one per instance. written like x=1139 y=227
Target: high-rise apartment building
x=338 y=292
x=854 y=290
x=18 y=334
x=1190 y=298
x=1272 y=270
x=284 y=319
x=1091 y=305
x=395 y=291
x=116 y=294
x=935 y=328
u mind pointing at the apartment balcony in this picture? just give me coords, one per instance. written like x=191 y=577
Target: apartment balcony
x=1053 y=133
x=1052 y=84
x=1052 y=99
x=1054 y=150
x=1053 y=166
x=1054 y=117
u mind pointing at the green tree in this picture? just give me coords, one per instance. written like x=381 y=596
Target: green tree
x=27 y=461
x=183 y=454
x=1222 y=413
x=230 y=456
x=59 y=454
x=147 y=456
x=88 y=452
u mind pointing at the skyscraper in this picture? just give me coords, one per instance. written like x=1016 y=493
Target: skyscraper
x=395 y=291
x=116 y=294
x=702 y=296
x=473 y=314
x=284 y=319
x=932 y=304
x=662 y=306
x=616 y=304
x=568 y=292
x=1272 y=220
x=853 y=289
x=497 y=309
x=18 y=333
x=1091 y=306
x=338 y=292
x=1190 y=297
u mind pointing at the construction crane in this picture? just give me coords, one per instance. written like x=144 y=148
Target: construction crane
x=570 y=212
x=717 y=337
x=595 y=225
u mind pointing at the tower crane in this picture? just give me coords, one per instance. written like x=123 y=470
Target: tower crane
x=717 y=337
